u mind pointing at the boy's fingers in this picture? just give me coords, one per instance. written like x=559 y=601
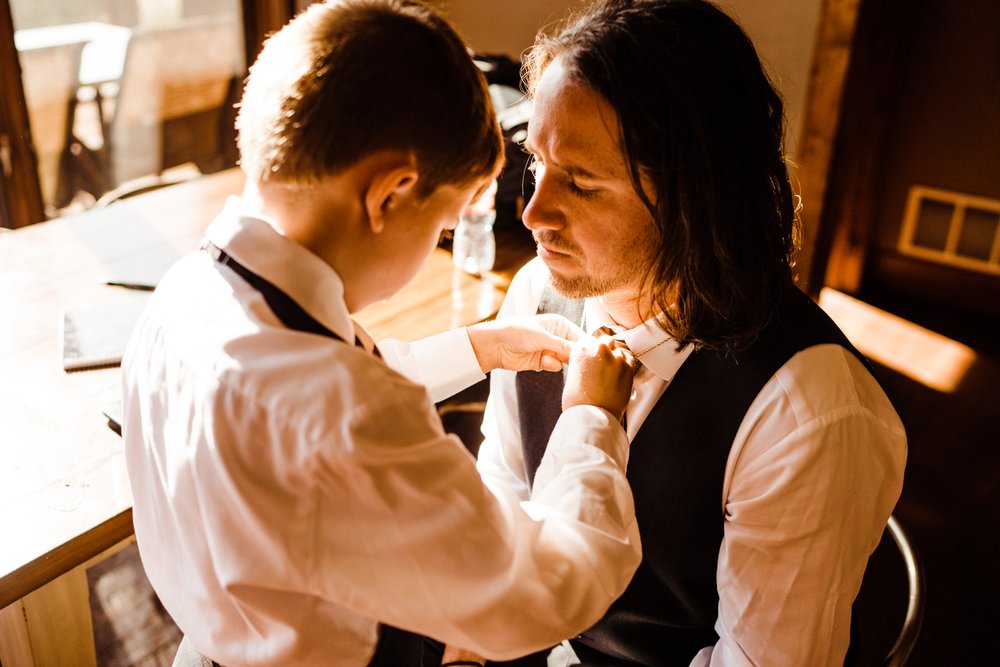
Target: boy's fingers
x=627 y=355
x=550 y=363
x=561 y=349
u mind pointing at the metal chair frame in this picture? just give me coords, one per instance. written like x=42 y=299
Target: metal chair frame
x=907 y=638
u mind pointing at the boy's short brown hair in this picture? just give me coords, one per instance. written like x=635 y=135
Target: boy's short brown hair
x=346 y=78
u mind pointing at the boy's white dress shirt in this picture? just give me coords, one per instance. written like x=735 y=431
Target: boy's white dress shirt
x=291 y=491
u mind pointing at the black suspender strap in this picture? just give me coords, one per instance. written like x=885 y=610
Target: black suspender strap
x=392 y=644
x=291 y=314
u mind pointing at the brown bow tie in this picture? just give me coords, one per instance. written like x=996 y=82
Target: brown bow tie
x=608 y=331
x=604 y=331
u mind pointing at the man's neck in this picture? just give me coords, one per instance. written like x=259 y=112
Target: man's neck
x=624 y=309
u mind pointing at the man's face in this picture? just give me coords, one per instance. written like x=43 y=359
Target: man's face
x=592 y=230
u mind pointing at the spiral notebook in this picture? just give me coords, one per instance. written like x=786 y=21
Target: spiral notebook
x=94 y=335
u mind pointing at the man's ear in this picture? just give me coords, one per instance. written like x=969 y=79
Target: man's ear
x=386 y=188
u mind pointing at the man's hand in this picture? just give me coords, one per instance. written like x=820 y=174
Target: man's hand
x=532 y=343
x=600 y=373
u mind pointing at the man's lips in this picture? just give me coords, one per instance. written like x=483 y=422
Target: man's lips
x=550 y=250
x=546 y=247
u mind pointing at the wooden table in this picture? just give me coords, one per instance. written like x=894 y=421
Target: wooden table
x=64 y=495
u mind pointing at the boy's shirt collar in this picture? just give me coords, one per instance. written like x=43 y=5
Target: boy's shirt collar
x=255 y=242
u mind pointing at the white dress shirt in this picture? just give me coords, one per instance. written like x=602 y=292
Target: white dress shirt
x=291 y=491
x=813 y=474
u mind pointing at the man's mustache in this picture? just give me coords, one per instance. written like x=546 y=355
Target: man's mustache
x=554 y=241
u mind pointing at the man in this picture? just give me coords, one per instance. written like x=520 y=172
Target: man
x=293 y=495
x=764 y=457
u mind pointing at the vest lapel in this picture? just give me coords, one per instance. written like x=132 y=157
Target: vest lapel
x=543 y=389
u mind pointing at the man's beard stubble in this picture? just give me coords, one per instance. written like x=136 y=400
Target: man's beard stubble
x=587 y=285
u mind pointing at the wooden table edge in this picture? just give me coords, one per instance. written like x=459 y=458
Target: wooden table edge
x=32 y=576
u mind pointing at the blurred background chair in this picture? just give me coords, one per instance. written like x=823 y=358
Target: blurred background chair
x=175 y=99
x=51 y=76
x=140 y=186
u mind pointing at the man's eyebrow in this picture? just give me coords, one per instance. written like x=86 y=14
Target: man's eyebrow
x=583 y=173
x=572 y=170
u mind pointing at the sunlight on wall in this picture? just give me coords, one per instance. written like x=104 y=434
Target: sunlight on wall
x=918 y=353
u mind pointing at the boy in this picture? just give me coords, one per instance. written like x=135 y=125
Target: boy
x=291 y=491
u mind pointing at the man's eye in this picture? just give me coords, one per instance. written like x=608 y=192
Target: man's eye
x=578 y=191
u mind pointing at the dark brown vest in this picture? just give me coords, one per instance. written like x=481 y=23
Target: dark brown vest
x=676 y=467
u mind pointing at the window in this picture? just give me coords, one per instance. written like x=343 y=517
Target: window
x=952 y=228
x=118 y=93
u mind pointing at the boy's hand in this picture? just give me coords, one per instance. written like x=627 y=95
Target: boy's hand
x=531 y=343
x=454 y=655
x=600 y=373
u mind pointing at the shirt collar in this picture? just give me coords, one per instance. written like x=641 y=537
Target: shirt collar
x=655 y=348
x=256 y=243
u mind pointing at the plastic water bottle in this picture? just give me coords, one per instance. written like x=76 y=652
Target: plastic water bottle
x=474 y=246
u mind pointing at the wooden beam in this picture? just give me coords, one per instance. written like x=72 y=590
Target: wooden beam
x=260 y=19
x=831 y=59
x=855 y=177
x=20 y=191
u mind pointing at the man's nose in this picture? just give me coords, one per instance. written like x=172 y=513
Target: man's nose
x=542 y=212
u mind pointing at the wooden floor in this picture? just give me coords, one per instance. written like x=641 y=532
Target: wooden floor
x=131 y=628
x=948 y=506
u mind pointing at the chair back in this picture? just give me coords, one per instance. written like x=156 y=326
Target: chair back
x=168 y=74
x=51 y=76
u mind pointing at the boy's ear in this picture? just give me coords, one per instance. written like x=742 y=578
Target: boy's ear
x=386 y=188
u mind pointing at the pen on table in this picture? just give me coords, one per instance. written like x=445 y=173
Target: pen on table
x=146 y=287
